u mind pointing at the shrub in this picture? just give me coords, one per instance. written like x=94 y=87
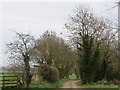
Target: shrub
x=48 y=73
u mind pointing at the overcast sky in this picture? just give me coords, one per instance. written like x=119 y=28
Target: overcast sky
x=37 y=17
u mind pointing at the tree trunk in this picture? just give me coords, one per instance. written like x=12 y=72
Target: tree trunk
x=28 y=76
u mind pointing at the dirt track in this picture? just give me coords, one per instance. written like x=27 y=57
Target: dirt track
x=71 y=84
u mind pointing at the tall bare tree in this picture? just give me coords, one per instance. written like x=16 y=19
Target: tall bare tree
x=19 y=51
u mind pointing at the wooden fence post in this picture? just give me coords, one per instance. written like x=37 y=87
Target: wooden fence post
x=17 y=81
x=3 y=80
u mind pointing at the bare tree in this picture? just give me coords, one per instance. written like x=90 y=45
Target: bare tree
x=19 y=51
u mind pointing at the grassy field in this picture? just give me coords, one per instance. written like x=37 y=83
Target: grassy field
x=96 y=85
x=70 y=78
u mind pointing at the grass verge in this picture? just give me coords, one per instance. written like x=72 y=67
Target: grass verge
x=45 y=85
x=96 y=85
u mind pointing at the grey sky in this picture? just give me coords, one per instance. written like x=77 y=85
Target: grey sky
x=37 y=17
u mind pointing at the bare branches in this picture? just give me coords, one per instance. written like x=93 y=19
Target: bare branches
x=20 y=51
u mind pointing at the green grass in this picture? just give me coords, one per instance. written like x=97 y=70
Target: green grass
x=96 y=85
x=72 y=76
x=3 y=71
x=45 y=85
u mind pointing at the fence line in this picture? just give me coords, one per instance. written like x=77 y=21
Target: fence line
x=8 y=80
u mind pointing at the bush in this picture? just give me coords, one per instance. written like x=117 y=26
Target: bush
x=48 y=73
x=112 y=74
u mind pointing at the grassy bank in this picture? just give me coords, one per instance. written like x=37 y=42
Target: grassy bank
x=96 y=85
x=45 y=85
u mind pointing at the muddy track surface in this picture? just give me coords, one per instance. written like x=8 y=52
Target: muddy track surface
x=71 y=84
